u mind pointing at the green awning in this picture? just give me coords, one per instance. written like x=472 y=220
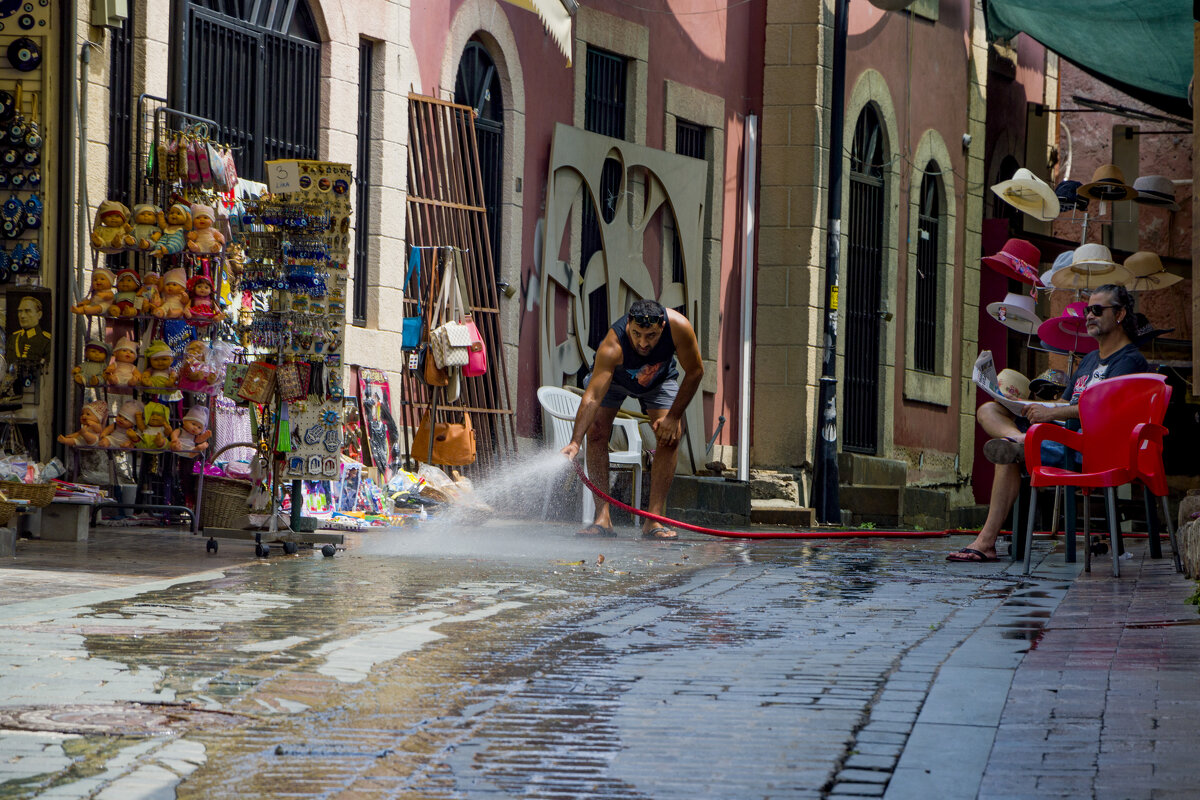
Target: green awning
x=1145 y=44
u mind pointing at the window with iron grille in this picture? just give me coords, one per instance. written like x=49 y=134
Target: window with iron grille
x=478 y=86
x=690 y=140
x=255 y=69
x=929 y=255
x=120 y=110
x=603 y=113
x=363 y=227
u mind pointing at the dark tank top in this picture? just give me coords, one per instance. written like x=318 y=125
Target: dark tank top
x=638 y=374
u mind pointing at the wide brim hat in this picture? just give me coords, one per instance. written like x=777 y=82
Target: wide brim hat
x=1108 y=183
x=1019 y=260
x=1156 y=190
x=1050 y=379
x=1029 y=193
x=1146 y=330
x=1091 y=266
x=1063 y=260
x=1148 y=273
x=1013 y=384
x=1068 y=331
x=1068 y=196
x=1015 y=312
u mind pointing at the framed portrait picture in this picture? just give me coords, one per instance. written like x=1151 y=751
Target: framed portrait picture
x=28 y=322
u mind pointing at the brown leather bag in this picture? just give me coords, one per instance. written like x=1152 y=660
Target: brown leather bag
x=453 y=443
x=428 y=371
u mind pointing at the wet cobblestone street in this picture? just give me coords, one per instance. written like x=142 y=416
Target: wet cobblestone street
x=512 y=661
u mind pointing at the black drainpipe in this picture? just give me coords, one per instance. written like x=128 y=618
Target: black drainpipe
x=64 y=274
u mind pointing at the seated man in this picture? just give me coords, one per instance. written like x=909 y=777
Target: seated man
x=1110 y=321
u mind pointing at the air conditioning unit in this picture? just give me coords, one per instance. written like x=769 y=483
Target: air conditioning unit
x=109 y=13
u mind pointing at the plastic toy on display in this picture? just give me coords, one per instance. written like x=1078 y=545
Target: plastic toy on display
x=158 y=373
x=95 y=361
x=123 y=371
x=125 y=434
x=92 y=426
x=203 y=238
x=174 y=300
x=177 y=225
x=155 y=427
x=148 y=223
x=100 y=296
x=125 y=301
x=112 y=225
x=192 y=435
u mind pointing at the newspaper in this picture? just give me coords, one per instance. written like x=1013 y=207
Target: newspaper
x=984 y=375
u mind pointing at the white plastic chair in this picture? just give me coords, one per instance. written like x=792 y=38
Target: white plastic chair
x=562 y=405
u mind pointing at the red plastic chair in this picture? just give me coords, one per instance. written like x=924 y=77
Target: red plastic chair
x=1150 y=465
x=1120 y=417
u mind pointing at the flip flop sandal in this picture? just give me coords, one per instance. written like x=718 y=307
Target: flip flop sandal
x=660 y=532
x=969 y=555
x=1003 y=451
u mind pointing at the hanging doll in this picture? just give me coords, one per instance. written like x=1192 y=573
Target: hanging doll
x=148 y=223
x=95 y=361
x=100 y=296
x=125 y=434
x=198 y=372
x=155 y=427
x=92 y=426
x=148 y=296
x=125 y=301
x=112 y=224
x=175 y=228
x=203 y=238
x=201 y=308
x=158 y=374
x=174 y=295
x=192 y=435
x=123 y=369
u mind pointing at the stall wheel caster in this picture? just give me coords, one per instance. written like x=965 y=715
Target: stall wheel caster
x=290 y=548
x=328 y=550
x=261 y=550
x=211 y=547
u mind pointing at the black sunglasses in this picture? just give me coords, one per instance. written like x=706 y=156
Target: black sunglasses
x=646 y=320
x=1098 y=310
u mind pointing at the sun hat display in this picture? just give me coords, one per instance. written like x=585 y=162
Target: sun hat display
x=1068 y=331
x=1063 y=260
x=1019 y=260
x=1146 y=329
x=1013 y=384
x=1029 y=193
x=1108 y=183
x=1148 y=272
x=1091 y=266
x=1015 y=312
x=1068 y=196
x=1049 y=384
x=1156 y=190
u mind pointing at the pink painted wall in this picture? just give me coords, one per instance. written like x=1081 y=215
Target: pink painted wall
x=720 y=53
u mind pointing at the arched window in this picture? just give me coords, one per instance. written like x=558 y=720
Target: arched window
x=478 y=86
x=864 y=276
x=255 y=69
x=929 y=256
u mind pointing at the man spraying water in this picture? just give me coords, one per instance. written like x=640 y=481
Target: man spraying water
x=637 y=359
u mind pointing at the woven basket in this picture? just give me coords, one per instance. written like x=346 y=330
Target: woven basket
x=38 y=494
x=223 y=500
x=6 y=511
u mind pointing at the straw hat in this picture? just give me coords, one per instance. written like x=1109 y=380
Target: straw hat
x=1015 y=312
x=1068 y=331
x=1052 y=381
x=1148 y=272
x=1013 y=384
x=1029 y=193
x=1091 y=266
x=1156 y=190
x=1063 y=260
x=1019 y=260
x=1108 y=183
x=1068 y=196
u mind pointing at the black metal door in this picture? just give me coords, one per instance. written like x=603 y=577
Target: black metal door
x=478 y=86
x=864 y=265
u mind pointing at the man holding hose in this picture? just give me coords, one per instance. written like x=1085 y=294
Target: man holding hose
x=637 y=359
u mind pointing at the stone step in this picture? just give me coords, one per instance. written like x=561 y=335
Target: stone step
x=711 y=502
x=925 y=509
x=881 y=505
x=855 y=469
x=781 y=512
x=771 y=485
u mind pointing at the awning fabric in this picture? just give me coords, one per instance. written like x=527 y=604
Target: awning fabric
x=1146 y=44
x=555 y=17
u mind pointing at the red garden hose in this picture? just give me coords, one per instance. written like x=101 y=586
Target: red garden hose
x=758 y=534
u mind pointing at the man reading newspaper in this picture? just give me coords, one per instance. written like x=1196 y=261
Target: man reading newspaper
x=1111 y=323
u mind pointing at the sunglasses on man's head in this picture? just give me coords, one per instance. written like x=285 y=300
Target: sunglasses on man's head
x=1098 y=310
x=646 y=320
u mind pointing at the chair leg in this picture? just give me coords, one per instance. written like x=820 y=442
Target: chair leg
x=1016 y=550
x=1113 y=532
x=1087 y=531
x=1171 y=535
x=1151 y=524
x=1058 y=496
x=637 y=486
x=1070 y=521
x=1029 y=530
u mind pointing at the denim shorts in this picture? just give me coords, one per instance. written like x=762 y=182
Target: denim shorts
x=661 y=396
x=1054 y=454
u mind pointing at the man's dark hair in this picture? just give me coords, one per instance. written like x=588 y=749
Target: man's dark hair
x=647 y=312
x=1123 y=298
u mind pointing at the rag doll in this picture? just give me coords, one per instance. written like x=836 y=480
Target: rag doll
x=155 y=427
x=123 y=370
x=174 y=295
x=192 y=435
x=158 y=374
x=112 y=224
x=203 y=238
x=200 y=308
x=125 y=433
x=95 y=362
x=125 y=301
x=100 y=296
x=91 y=426
x=177 y=224
x=148 y=222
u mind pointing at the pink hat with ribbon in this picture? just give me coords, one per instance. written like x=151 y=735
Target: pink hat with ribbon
x=1018 y=259
x=1068 y=331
